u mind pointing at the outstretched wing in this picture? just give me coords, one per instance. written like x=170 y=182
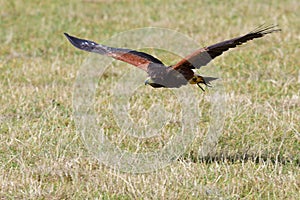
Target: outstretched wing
x=136 y=58
x=203 y=56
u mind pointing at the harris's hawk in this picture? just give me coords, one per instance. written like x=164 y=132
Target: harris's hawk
x=177 y=75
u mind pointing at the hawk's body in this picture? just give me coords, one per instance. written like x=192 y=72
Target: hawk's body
x=176 y=75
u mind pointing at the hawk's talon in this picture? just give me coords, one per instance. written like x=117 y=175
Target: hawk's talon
x=200 y=87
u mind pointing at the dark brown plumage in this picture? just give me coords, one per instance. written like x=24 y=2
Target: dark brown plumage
x=176 y=75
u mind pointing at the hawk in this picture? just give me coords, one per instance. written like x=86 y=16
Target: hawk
x=181 y=73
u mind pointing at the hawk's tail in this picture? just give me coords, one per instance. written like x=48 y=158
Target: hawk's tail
x=207 y=80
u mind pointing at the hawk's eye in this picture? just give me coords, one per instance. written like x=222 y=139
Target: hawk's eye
x=195 y=79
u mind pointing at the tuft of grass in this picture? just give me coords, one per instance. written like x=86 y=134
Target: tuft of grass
x=42 y=156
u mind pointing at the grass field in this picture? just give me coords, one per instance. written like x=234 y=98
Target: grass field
x=42 y=155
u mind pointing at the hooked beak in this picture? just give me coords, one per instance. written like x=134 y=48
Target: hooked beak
x=150 y=82
x=146 y=82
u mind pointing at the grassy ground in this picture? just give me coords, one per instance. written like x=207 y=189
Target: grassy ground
x=43 y=156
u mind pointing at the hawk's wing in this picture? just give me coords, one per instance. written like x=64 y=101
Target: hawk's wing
x=136 y=58
x=203 y=56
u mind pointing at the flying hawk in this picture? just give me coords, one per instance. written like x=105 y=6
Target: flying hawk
x=177 y=75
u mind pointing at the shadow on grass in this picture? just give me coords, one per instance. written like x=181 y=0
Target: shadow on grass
x=241 y=158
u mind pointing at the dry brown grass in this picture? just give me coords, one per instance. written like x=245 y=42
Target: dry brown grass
x=42 y=155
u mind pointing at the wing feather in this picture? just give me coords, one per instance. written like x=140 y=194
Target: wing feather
x=204 y=55
x=136 y=58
